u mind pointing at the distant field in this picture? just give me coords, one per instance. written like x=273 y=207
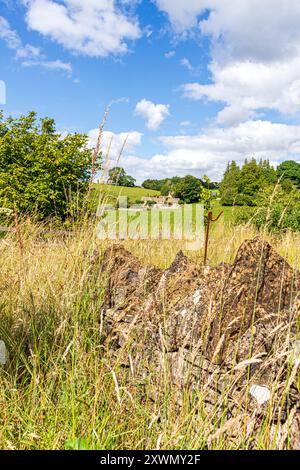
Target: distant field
x=109 y=193
x=228 y=212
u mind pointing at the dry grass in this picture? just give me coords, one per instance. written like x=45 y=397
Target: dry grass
x=58 y=390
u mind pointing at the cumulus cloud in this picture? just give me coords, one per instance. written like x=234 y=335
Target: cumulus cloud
x=95 y=28
x=112 y=143
x=255 y=53
x=14 y=42
x=208 y=152
x=154 y=114
x=182 y=14
x=30 y=55
x=250 y=86
x=253 y=29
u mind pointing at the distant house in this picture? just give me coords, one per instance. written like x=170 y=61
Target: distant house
x=161 y=202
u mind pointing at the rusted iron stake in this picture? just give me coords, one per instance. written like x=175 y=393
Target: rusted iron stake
x=210 y=220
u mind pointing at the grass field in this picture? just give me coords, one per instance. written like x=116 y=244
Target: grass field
x=110 y=193
x=57 y=390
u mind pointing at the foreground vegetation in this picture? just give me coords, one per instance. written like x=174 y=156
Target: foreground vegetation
x=58 y=390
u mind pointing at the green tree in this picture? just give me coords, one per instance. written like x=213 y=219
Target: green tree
x=269 y=174
x=253 y=178
x=206 y=196
x=277 y=210
x=249 y=183
x=119 y=177
x=165 y=186
x=188 y=189
x=229 y=185
x=42 y=171
x=289 y=170
x=241 y=186
x=156 y=185
x=169 y=185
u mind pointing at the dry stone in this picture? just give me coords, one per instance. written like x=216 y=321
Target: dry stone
x=224 y=329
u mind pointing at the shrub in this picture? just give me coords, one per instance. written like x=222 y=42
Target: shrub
x=277 y=210
x=42 y=171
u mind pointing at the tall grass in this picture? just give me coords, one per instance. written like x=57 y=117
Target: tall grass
x=58 y=390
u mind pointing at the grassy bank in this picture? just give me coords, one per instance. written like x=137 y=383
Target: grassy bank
x=110 y=193
x=58 y=390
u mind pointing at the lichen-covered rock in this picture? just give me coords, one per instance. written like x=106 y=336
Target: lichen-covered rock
x=222 y=330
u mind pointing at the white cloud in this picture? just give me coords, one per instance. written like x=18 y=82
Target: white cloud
x=253 y=29
x=182 y=14
x=170 y=54
x=255 y=53
x=123 y=99
x=250 y=86
x=154 y=114
x=95 y=28
x=208 y=152
x=112 y=143
x=186 y=63
x=14 y=42
x=234 y=114
x=50 y=65
x=30 y=55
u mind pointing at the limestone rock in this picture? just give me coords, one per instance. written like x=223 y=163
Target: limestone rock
x=222 y=329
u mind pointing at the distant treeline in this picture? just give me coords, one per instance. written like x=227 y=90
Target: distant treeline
x=243 y=186
x=167 y=185
x=269 y=198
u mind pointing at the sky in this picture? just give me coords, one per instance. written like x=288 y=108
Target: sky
x=191 y=84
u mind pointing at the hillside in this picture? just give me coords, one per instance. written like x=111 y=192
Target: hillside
x=110 y=193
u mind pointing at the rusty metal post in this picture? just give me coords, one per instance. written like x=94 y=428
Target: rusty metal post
x=210 y=220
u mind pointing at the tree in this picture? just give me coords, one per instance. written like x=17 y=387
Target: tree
x=188 y=189
x=206 y=196
x=278 y=210
x=241 y=186
x=41 y=171
x=229 y=184
x=169 y=185
x=269 y=174
x=119 y=177
x=165 y=186
x=289 y=170
x=250 y=180
x=155 y=185
x=253 y=178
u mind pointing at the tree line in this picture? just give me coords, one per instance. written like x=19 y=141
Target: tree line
x=167 y=185
x=268 y=197
x=244 y=186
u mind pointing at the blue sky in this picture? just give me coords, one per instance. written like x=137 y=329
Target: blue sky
x=195 y=83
